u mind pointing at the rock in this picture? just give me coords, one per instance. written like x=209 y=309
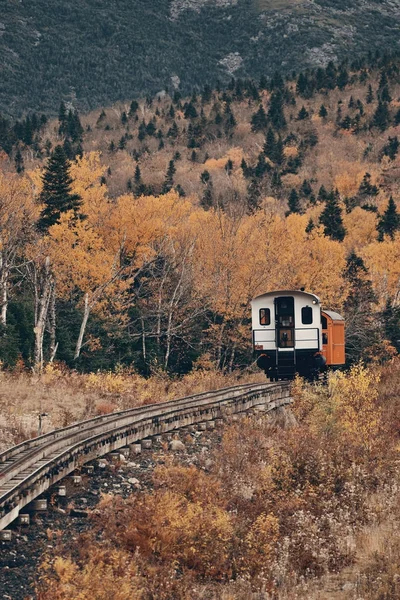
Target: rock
x=74 y=512
x=176 y=445
x=135 y=482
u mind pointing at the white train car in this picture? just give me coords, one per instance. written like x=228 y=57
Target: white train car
x=287 y=334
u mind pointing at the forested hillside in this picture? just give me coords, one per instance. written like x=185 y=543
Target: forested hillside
x=137 y=234
x=95 y=53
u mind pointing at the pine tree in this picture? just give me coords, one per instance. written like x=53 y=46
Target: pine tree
x=138 y=175
x=19 y=162
x=310 y=226
x=259 y=120
x=293 y=202
x=169 y=177
x=391 y=148
x=361 y=327
x=342 y=78
x=381 y=116
x=56 y=194
x=370 y=95
x=190 y=111
x=366 y=187
x=385 y=95
x=275 y=111
x=279 y=155
x=323 y=112
x=133 y=108
x=389 y=222
x=303 y=114
x=245 y=168
x=269 y=144
x=62 y=119
x=391 y=323
x=331 y=218
x=306 y=189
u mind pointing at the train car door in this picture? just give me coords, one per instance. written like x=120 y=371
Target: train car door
x=284 y=313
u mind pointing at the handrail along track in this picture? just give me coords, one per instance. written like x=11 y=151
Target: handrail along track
x=28 y=469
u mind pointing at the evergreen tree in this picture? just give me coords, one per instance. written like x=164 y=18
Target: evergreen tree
x=169 y=177
x=323 y=112
x=245 y=168
x=361 y=325
x=259 y=120
x=275 y=111
x=56 y=194
x=190 y=111
x=310 y=226
x=62 y=119
x=269 y=144
x=306 y=189
x=342 y=78
x=279 y=155
x=171 y=111
x=370 y=95
x=381 y=116
x=293 y=202
x=385 y=95
x=397 y=118
x=261 y=167
x=389 y=222
x=322 y=194
x=124 y=118
x=138 y=175
x=351 y=102
x=19 y=162
x=133 y=108
x=331 y=218
x=391 y=323
x=303 y=114
x=366 y=187
x=391 y=148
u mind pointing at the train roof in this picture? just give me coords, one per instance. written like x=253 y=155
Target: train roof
x=287 y=293
x=333 y=315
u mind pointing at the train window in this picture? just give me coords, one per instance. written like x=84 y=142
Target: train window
x=325 y=339
x=324 y=322
x=306 y=315
x=265 y=316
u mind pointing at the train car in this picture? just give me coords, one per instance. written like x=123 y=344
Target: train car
x=291 y=334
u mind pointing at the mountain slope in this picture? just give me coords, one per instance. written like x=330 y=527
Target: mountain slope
x=93 y=52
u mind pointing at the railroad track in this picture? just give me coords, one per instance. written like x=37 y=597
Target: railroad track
x=30 y=468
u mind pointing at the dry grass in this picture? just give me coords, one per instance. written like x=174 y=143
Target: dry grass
x=66 y=396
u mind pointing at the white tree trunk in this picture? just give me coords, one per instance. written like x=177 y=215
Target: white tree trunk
x=86 y=312
x=43 y=292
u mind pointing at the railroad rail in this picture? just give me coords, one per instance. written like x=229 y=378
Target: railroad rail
x=30 y=468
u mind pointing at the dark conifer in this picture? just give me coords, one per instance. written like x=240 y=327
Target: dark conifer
x=56 y=194
x=259 y=120
x=323 y=112
x=169 y=177
x=389 y=222
x=366 y=187
x=294 y=202
x=310 y=226
x=391 y=148
x=381 y=116
x=370 y=95
x=269 y=144
x=62 y=119
x=275 y=111
x=133 y=108
x=19 y=162
x=303 y=114
x=331 y=218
